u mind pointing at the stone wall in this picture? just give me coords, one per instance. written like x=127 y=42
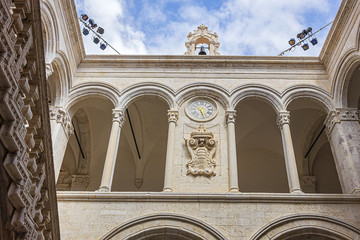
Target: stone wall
x=233 y=216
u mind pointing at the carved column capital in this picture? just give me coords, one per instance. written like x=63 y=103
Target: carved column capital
x=339 y=115
x=230 y=116
x=173 y=116
x=79 y=182
x=60 y=115
x=118 y=116
x=283 y=118
x=308 y=184
x=49 y=70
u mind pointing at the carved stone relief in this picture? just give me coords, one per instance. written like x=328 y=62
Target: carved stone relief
x=202 y=148
x=60 y=115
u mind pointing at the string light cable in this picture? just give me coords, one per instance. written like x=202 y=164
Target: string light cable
x=303 y=40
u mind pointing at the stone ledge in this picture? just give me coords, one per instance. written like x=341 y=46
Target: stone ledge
x=216 y=197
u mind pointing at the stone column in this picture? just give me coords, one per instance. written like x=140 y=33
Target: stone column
x=233 y=174
x=61 y=130
x=170 y=154
x=283 y=123
x=343 y=132
x=111 y=153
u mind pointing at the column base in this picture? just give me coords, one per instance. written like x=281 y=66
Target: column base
x=167 y=190
x=297 y=191
x=234 y=190
x=103 y=189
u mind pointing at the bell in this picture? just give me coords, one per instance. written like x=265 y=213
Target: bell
x=202 y=51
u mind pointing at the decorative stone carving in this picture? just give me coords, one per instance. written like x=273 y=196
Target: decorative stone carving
x=79 y=182
x=308 y=184
x=202 y=147
x=118 y=116
x=27 y=176
x=60 y=115
x=49 y=70
x=340 y=114
x=230 y=116
x=202 y=35
x=173 y=116
x=283 y=118
x=64 y=181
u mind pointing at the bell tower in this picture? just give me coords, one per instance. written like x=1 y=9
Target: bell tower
x=202 y=36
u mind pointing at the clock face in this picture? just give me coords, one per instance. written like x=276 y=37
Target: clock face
x=201 y=109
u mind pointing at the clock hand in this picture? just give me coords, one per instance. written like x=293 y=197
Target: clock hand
x=202 y=111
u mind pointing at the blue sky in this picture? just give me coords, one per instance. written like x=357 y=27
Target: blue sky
x=244 y=27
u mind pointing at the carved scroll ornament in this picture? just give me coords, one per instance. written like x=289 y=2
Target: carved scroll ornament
x=202 y=148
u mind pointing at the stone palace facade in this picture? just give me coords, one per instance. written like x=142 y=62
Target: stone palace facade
x=175 y=147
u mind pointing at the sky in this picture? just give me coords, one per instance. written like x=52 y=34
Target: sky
x=244 y=27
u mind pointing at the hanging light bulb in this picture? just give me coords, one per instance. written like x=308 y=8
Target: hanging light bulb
x=314 y=41
x=92 y=23
x=84 y=17
x=85 y=31
x=103 y=46
x=96 y=40
x=292 y=41
x=100 y=30
x=305 y=46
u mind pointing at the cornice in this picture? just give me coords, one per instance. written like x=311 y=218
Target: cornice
x=124 y=64
x=207 y=197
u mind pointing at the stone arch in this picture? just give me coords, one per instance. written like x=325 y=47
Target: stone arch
x=133 y=92
x=260 y=161
x=50 y=26
x=88 y=107
x=307 y=91
x=203 y=89
x=343 y=77
x=88 y=90
x=59 y=79
x=182 y=225
x=348 y=63
x=266 y=94
x=293 y=225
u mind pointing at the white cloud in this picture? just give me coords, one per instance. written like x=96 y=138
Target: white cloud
x=245 y=27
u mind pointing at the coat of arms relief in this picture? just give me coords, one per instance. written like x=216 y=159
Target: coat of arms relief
x=202 y=148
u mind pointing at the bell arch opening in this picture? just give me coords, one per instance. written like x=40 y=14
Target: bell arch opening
x=261 y=164
x=315 y=161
